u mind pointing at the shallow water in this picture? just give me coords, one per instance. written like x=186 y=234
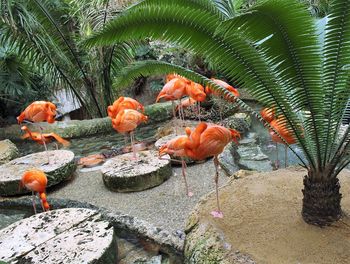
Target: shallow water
x=91 y=145
x=10 y=216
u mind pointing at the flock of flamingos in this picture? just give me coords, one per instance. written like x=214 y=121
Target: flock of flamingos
x=205 y=141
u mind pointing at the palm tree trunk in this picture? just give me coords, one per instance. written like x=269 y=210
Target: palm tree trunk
x=321 y=201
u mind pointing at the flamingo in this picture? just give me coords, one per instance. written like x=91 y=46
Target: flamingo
x=196 y=92
x=225 y=85
x=176 y=147
x=43 y=138
x=123 y=103
x=35 y=180
x=173 y=90
x=209 y=141
x=268 y=114
x=38 y=111
x=126 y=121
x=279 y=126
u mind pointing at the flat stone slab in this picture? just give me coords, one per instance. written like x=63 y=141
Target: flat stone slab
x=73 y=235
x=61 y=167
x=125 y=174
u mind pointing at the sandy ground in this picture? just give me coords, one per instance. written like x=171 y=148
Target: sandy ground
x=164 y=206
x=263 y=219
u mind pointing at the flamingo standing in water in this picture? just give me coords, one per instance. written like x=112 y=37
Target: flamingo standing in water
x=209 y=141
x=126 y=121
x=43 y=138
x=280 y=127
x=36 y=181
x=176 y=147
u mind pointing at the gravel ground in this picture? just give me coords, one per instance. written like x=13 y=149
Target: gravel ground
x=165 y=206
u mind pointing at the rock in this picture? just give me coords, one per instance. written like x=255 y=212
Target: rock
x=124 y=174
x=8 y=151
x=249 y=156
x=59 y=236
x=252 y=158
x=60 y=168
x=83 y=128
x=243 y=173
x=227 y=161
x=239 y=121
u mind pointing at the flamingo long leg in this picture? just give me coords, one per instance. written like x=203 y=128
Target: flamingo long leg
x=218 y=213
x=33 y=202
x=134 y=156
x=277 y=163
x=42 y=139
x=199 y=111
x=183 y=163
x=285 y=156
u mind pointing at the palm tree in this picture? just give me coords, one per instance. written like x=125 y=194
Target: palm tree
x=271 y=50
x=46 y=35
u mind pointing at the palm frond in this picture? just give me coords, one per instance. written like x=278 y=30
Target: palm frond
x=336 y=75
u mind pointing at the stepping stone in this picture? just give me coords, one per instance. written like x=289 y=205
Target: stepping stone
x=73 y=235
x=125 y=174
x=61 y=167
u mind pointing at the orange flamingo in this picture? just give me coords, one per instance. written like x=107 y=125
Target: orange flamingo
x=126 y=121
x=173 y=90
x=267 y=114
x=225 y=85
x=36 y=181
x=176 y=147
x=38 y=111
x=123 y=103
x=43 y=138
x=280 y=127
x=207 y=141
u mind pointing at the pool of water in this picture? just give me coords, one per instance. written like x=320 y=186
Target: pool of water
x=269 y=148
x=94 y=144
x=9 y=216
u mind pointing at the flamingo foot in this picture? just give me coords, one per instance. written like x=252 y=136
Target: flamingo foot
x=217 y=214
x=190 y=194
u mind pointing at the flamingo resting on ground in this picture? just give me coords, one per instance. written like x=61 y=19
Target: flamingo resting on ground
x=209 y=141
x=126 y=121
x=36 y=181
x=123 y=103
x=176 y=147
x=38 y=111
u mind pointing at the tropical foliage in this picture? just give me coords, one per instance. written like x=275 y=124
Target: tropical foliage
x=45 y=35
x=272 y=51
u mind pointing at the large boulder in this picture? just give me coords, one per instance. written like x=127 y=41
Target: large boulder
x=83 y=128
x=262 y=224
x=74 y=235
x=8 y=151
x=239 y=121
x=60 y=167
